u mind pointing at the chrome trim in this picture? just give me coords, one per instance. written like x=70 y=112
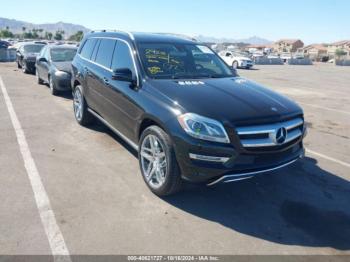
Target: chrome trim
x=132 y=53
x=253 y=173
x=263 y=129
x=270 y=130
x=238 y=179
x=209 y=158
x=127 y=140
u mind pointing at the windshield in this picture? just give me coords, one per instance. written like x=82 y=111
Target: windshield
x=181 y=61
x=33 y=48
x=62 y=54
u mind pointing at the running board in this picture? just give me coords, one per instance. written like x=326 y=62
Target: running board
x=127 y=140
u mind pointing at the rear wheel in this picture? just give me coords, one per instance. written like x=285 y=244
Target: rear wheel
x=158 y=163
x=81 y=113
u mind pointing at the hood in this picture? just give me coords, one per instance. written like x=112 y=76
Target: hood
x=235 y=100
x=63 y=66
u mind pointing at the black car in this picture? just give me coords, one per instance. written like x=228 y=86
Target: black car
x=189 y=116
x=53 y=66
x=26 y=56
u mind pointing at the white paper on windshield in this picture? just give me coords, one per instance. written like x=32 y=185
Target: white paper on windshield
x=205 y=49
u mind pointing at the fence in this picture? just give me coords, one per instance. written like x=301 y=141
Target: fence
x=303 y=61
x=268 y=61
x=7 y=55
x=344 y=62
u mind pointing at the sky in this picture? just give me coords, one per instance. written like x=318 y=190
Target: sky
x=313 y=21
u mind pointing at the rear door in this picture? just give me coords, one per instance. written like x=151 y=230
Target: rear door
x=86 y=68
x=99 y=77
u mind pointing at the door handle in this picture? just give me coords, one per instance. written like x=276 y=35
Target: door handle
x=106 y=81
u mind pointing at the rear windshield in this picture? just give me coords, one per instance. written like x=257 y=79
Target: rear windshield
x=63 y=54
x=181 y=61
x=33 y=48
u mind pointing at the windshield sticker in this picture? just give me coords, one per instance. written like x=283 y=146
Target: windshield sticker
x=205 y=49
x=190 y=83
x=155 y=70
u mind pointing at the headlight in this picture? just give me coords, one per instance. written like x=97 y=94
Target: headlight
x=203 y=128
x=61 y=74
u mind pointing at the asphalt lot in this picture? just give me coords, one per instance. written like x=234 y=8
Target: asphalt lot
x=102 y=205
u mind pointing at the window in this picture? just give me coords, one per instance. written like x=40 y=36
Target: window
x=63 y=54
x=183 y=61
x=33 y=48
x=89 y=45
x=105 y=52
x=122 y=57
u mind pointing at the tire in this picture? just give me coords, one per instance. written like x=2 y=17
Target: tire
x=52 y=86
x=85 y=118
x=38 y=79
x=24 y=68
x=235 y=65
x=171 y=176
x=19 y=65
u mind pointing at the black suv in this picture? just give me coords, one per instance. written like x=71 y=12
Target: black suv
x=189 y=116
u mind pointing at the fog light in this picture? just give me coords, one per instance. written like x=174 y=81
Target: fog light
x=217 y=159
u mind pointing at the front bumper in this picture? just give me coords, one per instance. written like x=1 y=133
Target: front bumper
x=29 y=65
x=246 y=64
x=211 y=163
x=62 y=82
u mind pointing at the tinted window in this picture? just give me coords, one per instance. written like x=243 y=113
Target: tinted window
x=33 y=48
x=105 y=52
x=87 y=48
x=122 y=57
x=62 y=54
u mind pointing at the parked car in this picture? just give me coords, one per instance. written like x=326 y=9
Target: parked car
x=285 y=57
x=4 y=44
x=26 y=56
x=188 y=114
x=236 y=60
x=53 y=66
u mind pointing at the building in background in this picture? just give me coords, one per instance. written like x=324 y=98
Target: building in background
x=316 y=52
x=340 y=45
x=288 y=45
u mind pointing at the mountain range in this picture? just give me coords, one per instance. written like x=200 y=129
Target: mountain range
x=254 y=40
x=16 y=26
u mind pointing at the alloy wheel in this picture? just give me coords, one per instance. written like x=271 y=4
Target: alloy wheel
x=153 y=161
x=78 y=104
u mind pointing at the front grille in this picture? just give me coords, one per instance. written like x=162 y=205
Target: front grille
x=272 y=136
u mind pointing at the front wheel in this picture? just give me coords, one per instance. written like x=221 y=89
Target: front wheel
x=38 y=79
x=235 y=65
x=53 y=88
x=158 y=163
x=24 y=68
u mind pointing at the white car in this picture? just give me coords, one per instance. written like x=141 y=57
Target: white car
x=236 y=60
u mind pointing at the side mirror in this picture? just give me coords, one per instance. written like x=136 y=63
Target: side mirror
x=123 y=74
x=42 y=59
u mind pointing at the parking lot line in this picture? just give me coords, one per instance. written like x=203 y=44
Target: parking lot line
x=325 y=108
x=47 y=216
x=328 y=158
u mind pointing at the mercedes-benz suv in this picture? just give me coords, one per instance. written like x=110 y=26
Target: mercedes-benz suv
x=188 y=114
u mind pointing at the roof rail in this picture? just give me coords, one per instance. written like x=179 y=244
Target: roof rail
x=104 y=31
x=180 y=36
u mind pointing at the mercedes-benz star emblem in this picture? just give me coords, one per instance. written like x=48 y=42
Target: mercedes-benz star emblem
x=280 y=136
